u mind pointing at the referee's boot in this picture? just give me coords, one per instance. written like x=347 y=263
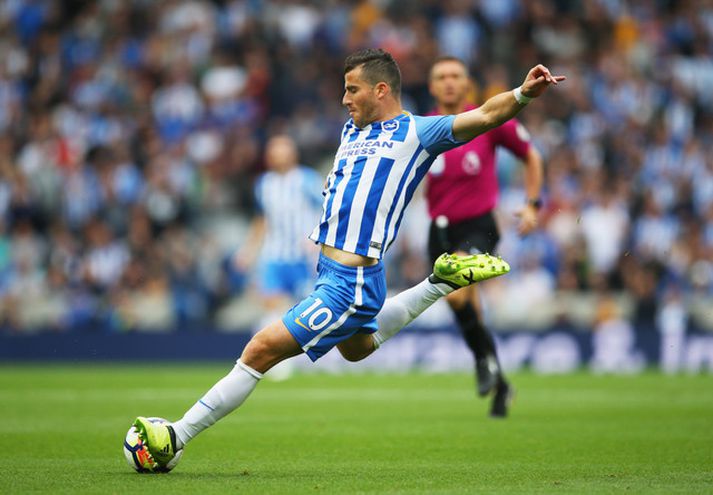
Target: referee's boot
x=461 y=271
x=502 y=398
x=487 y=374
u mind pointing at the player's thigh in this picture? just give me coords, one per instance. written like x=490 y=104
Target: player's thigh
x=269 y=346
x=329 y=316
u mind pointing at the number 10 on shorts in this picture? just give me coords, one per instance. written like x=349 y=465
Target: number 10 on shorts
x=319 y=317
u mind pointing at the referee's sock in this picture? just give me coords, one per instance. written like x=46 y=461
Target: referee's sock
x=476 y=336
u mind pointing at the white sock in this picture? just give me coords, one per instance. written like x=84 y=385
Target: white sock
x=404 y=307
x=225 y=396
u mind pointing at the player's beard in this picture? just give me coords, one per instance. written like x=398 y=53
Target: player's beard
x=366 y=114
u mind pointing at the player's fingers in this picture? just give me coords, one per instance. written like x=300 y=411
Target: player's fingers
x=541 y=71
x=546 y=73
x=554 y=79
x=549 y=77
x=537 y=71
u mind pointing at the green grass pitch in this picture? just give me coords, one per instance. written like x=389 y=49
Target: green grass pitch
x=62 y=427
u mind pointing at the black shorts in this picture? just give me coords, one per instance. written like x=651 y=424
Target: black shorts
x=475 y=235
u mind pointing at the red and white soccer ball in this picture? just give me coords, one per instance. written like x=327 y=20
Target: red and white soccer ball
x=137 y=454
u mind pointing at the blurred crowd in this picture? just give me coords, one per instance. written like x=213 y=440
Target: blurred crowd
x=131 y=133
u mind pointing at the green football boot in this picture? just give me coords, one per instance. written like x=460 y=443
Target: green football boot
x=160 y=439
x=460 y=271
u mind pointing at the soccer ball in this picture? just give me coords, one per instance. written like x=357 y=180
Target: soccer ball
x=137 y=454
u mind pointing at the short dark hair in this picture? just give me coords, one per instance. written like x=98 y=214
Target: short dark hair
x=446 y=58
x=376 y=65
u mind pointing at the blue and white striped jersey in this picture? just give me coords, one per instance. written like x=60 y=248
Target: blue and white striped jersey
x=376 y=171
x=290 y=204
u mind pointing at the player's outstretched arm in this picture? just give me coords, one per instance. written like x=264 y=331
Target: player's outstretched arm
x=504 y=106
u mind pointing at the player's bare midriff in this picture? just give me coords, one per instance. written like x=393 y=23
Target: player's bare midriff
x=345 y=258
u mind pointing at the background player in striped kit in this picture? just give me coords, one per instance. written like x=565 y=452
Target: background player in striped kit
x=288 y=200
x=384 y=154
x=462 y=191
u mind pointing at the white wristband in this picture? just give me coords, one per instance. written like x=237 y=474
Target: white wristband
x=521 y=98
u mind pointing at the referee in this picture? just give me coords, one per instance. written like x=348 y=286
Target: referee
x=462 y=191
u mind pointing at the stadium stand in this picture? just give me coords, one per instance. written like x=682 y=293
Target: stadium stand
x=131 y=133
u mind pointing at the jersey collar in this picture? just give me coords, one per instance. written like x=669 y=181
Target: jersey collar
x=378 y=123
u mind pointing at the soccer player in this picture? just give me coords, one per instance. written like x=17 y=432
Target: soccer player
x=276 y=236
x=462 y=190
x=288 y=201
x=384 y=153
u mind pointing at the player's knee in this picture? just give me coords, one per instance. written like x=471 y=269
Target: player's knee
x=257 y=352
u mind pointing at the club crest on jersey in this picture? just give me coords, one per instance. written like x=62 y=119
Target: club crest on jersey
x=390 y=125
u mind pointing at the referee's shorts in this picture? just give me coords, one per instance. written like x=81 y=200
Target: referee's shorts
x=474 y=235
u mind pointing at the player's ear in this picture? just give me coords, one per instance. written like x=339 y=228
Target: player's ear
x=382 y=89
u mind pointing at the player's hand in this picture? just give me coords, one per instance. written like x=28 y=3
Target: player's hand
x=538 y=80
x=528 y=219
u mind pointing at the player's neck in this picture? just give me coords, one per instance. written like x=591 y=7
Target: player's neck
x=390 y=112
x=451 y=109
x=382 y=118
